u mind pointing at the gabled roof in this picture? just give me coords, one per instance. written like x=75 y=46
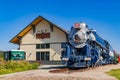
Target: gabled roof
x=29 y=27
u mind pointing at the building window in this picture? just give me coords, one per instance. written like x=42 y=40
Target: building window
x=43 y=56
x=38 y=56
x=64 y=49
x=37 y=46
x=63 y=45
x=47 y=45
x=63 y=53
x=47 y=56
x=43 y=46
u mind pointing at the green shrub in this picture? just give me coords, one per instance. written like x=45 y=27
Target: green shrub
x=5 y=71
x=35 y=65
x=18 y=69
x=2 y=67
x=16 y=66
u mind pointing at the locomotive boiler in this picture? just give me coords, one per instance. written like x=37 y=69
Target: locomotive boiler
x=86 y=48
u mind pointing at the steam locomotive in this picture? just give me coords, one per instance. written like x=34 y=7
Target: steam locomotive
x=86 y=48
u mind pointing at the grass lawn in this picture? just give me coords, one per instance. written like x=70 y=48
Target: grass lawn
x=115 y=73
x=16 y=66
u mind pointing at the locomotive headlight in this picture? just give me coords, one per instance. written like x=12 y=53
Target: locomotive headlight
x=65 y=59
x=87 y=58
x=77 y=39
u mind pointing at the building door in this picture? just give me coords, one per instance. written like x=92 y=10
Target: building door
x=43 y=56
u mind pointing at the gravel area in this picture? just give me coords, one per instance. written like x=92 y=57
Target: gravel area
x=43 y=74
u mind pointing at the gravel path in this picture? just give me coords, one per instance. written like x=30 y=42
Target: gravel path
x=43 y=74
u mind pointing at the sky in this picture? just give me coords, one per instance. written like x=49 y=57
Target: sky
x=101 y=15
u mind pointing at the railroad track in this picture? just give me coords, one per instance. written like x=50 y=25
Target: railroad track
x=68 y=71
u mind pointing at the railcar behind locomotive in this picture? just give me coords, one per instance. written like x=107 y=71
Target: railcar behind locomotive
x=14 y=55
x=86 y=48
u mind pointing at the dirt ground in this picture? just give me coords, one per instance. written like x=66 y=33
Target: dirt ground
x=43 y=74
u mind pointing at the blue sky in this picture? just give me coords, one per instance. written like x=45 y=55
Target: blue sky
x=102 y=15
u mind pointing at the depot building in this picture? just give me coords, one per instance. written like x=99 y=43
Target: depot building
x=42 y=40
